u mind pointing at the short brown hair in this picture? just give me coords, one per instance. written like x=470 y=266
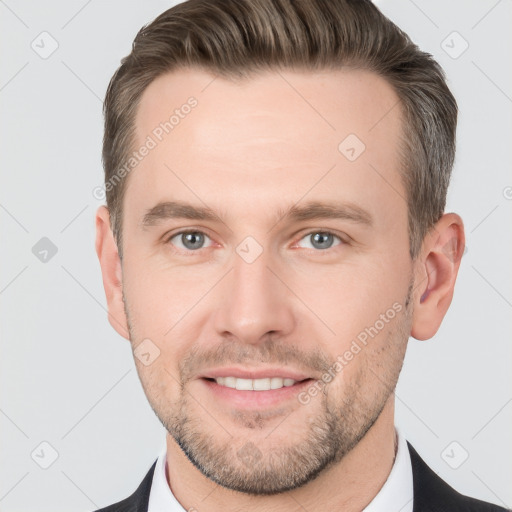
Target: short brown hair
x=237 y=38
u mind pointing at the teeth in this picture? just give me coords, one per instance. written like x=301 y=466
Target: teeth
x=230 y=382
x=261 y=384
x=243 y=384
x=276 y=383
x=254 y=384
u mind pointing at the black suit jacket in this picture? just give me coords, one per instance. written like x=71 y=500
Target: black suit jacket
x=431 y=493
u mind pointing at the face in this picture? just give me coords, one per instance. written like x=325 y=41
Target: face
x=266 y=268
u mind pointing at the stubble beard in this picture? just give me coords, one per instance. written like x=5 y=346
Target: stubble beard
x=329 y=434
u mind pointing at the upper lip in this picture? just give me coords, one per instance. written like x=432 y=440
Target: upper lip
x=254 y=373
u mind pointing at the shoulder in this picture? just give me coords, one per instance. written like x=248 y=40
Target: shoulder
x=433 y=494
x=138 y=501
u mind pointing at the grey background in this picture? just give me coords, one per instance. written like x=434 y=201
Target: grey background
x=69 y=380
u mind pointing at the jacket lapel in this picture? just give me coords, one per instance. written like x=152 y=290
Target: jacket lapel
x=433 y=494
x=139 y=500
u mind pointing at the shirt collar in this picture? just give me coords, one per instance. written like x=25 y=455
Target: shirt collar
x=397 y=491
x=395 y=494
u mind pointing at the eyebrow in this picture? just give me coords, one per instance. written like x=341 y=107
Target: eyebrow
x=327 y=210
x=176 y=210
x=309 y=211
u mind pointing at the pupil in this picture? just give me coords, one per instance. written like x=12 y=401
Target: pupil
x=322 y=240
x=193 y=240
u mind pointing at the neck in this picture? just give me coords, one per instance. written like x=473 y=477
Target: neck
x=349 y=485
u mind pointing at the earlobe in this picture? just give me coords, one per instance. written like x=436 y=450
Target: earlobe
x=111 y=270
x=436 y=273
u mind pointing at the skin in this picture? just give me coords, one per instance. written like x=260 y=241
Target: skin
x=248 y=151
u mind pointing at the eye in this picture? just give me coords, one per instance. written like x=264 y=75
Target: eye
x=189 y=240
x=322 y=240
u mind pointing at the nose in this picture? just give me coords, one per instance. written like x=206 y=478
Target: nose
x=254 y=302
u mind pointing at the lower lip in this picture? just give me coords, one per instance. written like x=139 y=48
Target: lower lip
x=251 y=399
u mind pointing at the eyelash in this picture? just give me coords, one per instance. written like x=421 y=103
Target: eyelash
x=323 y=231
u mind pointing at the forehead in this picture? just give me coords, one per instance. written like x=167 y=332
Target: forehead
x=276 y=134
x=316 y=105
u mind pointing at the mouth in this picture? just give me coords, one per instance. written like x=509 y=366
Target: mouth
x=255 y=393
x=265 y=384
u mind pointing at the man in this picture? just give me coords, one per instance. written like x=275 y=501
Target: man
x=276 y=175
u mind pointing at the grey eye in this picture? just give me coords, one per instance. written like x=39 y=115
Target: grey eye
x=189 y=240
x=321 y=240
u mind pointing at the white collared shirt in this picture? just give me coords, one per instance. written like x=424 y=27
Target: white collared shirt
x=396 y=495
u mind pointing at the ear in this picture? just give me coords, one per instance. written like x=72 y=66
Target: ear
x=111 y=270
x=435 y=274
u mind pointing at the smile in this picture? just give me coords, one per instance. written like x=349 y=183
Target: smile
x=265 y=384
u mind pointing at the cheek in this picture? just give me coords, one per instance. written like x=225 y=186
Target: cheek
x=158 y=299
x=161 y=386
x=369 y=367
x=169 y=307
x=351 y=298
